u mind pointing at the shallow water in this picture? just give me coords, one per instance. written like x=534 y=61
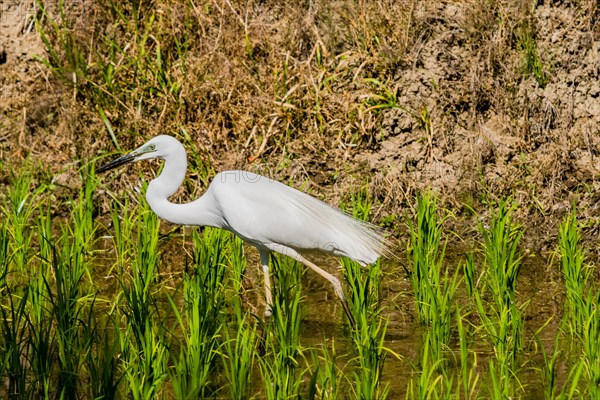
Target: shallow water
x=324 y=322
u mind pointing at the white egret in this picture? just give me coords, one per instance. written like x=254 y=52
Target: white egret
x=263 y=212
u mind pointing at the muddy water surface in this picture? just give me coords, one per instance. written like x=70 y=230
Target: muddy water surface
x=324 y=322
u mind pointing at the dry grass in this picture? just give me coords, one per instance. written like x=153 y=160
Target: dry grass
x=479 y=100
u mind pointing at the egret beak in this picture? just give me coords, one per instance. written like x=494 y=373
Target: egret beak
x=126 y=159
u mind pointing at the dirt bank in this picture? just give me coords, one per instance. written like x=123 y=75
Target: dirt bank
x=477 y=101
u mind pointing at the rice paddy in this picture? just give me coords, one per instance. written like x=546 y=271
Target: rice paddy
x=109 y=302
x=123 y=306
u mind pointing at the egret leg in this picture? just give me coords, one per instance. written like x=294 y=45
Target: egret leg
x=335 y=282
x=264 y=260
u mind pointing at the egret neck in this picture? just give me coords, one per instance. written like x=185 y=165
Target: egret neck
x=199 y=212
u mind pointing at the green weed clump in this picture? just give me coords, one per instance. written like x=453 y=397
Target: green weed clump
x=159 y=67
x=151 y=66
x=532 y=63
x=4 y=253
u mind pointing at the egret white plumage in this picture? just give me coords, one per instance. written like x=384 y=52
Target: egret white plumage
x=263 y=212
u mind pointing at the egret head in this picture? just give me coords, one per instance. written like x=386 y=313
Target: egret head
x=158 y=147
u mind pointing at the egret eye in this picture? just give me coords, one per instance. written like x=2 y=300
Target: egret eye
x=152 y=147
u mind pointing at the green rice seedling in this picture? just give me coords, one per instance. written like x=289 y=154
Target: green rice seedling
x=503 y=381
x=426 y=254
x=40 y=319
x=501 y=316
x=280 y=368
x=16 y=239
x=210 y=255
x=469 y=274
x=364 y=292
x=14 y=342
x=17 y=210
x=574 y=385
x=143 y=347
x=123 y=220
x=55 y=309
x=371 y=358
x=66 y=300
x=440 y=327
x=550 y=367
x=445 y=296
x=434 y=290
x=503 y=262
x=581 y=315
x=504 y=330
x=5 y=257
x=468 y=377
x=238 y=353
x=431 y=382
x=42 y=338
x=287 y=296
x=280 y=379
x=324 y=375
x=145 y=362
x=591 y=344
x=238 y=269
x=45 y=237
x=63 y=299
x=101 y=358
x=204 y=298
x=83 y=210
x=279 y=373
x=140 y=307
x=369 y=334
x=575 y=273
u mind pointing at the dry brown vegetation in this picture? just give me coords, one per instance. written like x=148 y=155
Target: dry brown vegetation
x=478 y=100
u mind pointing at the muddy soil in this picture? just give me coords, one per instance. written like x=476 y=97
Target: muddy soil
x=20 y=76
